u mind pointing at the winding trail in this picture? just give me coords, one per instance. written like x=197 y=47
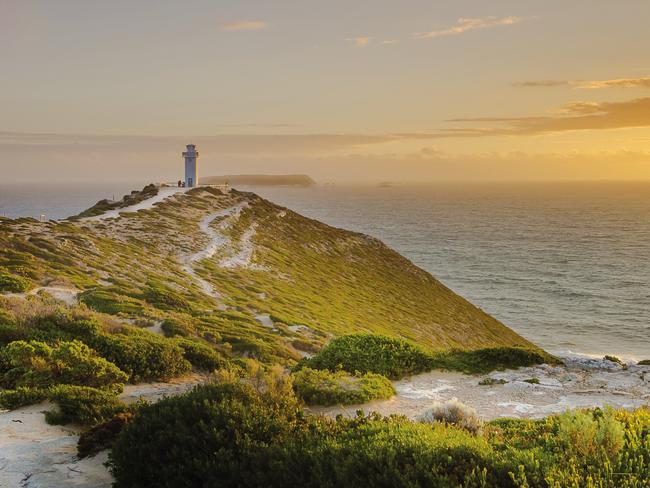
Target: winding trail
x=217 y=241
x=65 y=294
x=163 y=194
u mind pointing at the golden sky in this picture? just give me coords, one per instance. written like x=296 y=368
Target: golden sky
x=344 y=91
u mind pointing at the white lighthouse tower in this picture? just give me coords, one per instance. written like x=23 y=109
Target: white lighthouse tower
x=191 y=169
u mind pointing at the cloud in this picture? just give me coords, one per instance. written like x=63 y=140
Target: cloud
x=390 y=41
x=360 y=41
x=245 y=25
x=464 y=25
x=575 y=116
x=643 y=82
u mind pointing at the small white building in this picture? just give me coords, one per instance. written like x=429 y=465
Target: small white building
x=191 y=167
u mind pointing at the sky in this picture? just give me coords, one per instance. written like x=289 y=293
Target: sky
x=343 y=90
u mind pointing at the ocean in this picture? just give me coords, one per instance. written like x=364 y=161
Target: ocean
x=567 y=265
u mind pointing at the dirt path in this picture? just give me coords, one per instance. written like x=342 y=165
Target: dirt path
x=163 y=194
x=63 y=293
x=34 y=454
x=217 y=241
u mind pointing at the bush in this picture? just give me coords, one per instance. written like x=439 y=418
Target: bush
x=143 y=355
x=644 y=362
x=36 y=364
x=613 y=359
x=82 y=405
x=202 y=438
x=21 y=397
x=364 y=353
x=532 y=381
x=102 y=436
x=201 y=355
x=490 y=359
x=326 y=388
x=492 y=381
x=455 y=413
x=177 y=327
x=166 y=299
x=396 y=358
x=13 y=284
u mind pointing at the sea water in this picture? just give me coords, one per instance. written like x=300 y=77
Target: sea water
x=567 y=265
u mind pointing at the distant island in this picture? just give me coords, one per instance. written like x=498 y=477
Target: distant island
x=260 y=180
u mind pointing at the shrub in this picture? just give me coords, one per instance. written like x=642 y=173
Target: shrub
x=82 y=405
x=396 y=358
x=102 y=436
x=490 y=359
x=201 y=355
x=143 y=355
x=455 y=413
x=492 y=381
x=364 y=353
x=36 y=364
x=644 y=362
x=203 y=438
x=166 y=299
x=613 y=359
x=13 y=284
x=326 y=388
x=21 y=397
x=10 y=333
x=177 y=326
x=532 y=381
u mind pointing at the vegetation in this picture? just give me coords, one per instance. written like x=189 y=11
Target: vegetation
x=13 y=283
x=35 y=364
x=455 y=413
x=492 y=381
x=255 y=434
x=316 y=387
x=613 y=359
x=82 y=405
x=644 y=362
x=397 y=358
x=532 y=381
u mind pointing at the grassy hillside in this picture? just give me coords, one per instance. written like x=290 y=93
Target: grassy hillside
x=256 y=280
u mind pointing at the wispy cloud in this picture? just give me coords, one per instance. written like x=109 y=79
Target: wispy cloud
x=464 y=25
x=390 y=41
x=643 y=82
x=245 y=25
x=360 y=41
x=575 y=116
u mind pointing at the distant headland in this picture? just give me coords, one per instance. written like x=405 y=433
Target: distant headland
x=260 y=180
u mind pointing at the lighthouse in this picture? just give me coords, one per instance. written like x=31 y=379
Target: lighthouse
x=191 y=170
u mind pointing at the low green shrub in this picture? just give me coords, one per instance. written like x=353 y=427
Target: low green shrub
x=10 y=333
x=39 y=365
x=21 y=397
x=365 y=353
x=166 y=299
x=177 y=327
x=490 y=359
x=644 y=362
x=201 y=355
x=532 y=381
x=82 y=405
x=112 y=301
x=396 y=358
x=613 y=359
x=143 y=355
x=14 y=284
x=322 y=387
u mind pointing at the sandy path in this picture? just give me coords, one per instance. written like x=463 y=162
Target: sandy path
x=217 y=241
x=581 y=383
x=65 y=294
x=243 y=257
x=34 y=454
x=163 y=193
